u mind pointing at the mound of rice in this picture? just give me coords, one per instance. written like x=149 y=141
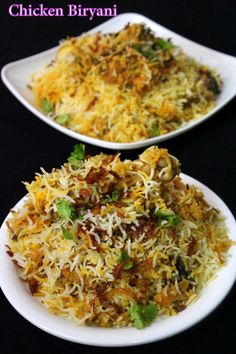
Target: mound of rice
x=125 y=86
x=116 y=243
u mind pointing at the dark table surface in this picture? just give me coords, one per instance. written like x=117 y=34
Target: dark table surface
x=207 y=153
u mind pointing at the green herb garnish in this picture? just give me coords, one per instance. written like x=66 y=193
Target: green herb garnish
x=77 y=155
x=173 y=220
x=62 y=119
x=154 y=131
x=47 y=106
x=126 y=261
x=66 y=233
x=80 y=217
x=128 y=265
x=169 y=216
x=147 y=52
x=66 y=210
x=141 y=315
x=124 y=256
x=163 y=44
x=115 y=195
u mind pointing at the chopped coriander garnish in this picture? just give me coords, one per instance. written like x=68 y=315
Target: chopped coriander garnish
x=47 y=106
x=80 y=217
x=66 y=210
x=169 y=216
x=128 y=265
x=154 y=131
x=124 y=256
x=141 y=315
x=126 y=261
x=163 y=44
x=78 y=154
x=115 y=195
x=148 y=53
x=62 y=119
x=173 y=220
x=66 y=233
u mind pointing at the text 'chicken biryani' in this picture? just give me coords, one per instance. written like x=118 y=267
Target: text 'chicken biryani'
x=125 y=86
x=116 y=243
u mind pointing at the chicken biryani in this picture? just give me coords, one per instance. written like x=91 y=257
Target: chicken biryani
x=124 y=87
x=114 y=243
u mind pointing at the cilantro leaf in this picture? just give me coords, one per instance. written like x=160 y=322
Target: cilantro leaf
x=150 y=54
x=67 y=235
x=163 y=44
x=115 y=195
x=154 y=131
x=135 y=312
x=47 y=105
x=128 y=265
x=126 y=261
x=169 y=216
x=147 y=52
x=173 y=220
x=77 y=154
x=142 y=315
x=124 y=256
x=137 y=318
x=62 y=119
x=80 y=217
x=66 y=210
x=149 y=312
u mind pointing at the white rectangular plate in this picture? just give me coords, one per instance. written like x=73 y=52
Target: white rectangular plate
x=16 y=76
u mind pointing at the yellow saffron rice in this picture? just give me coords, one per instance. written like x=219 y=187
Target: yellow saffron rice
x=100 y=237
x=125 y=86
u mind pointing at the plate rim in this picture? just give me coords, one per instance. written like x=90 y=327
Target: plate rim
x=103 y=143
x=140 y=340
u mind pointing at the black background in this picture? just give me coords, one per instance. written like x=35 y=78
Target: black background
x=207 y=153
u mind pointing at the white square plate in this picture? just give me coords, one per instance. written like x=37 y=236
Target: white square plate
x=16 y=76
